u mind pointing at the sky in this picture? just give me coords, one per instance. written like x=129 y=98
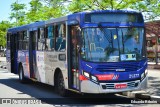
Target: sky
x=5 y=8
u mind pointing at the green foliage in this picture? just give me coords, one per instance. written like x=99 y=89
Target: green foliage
x=46 y=9
x=18 y=13
x=36 y=12
x=4 y=25
x=40 y=11
x=81 y=5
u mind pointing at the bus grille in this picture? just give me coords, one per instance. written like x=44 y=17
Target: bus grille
x=131 y=84
x=118 y=67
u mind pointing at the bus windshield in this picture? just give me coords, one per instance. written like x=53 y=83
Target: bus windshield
x=112 y=44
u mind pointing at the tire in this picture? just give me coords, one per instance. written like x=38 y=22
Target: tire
x=60 y=87
x=22 y=79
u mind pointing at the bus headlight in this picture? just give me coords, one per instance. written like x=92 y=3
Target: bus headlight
x=142 y=76
x=86 y=74
x=94 y=78
x=146 y=72
x=91 y=77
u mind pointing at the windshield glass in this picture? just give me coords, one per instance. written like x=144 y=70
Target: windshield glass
x=112 y=44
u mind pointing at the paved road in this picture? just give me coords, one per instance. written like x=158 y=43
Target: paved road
x=10 y=87
x=154 y=82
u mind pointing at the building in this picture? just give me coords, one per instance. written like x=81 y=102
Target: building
x=153 y=41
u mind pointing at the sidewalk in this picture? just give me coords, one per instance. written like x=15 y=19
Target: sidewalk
x=3 y=63
x=153 y=65
x=153 y=79
x=154 y=82
x=2 y=59
x=153 y=90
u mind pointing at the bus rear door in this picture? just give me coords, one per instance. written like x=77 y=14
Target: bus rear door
x=14 y=52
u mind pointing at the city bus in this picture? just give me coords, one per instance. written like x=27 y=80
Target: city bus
x=101 y=51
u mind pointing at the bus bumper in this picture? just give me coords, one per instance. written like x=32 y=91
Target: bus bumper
x=91 y=87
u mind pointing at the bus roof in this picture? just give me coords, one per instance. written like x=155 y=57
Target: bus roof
x=65 y=18
x=111 y=11
x=28 y=26
x=61 y=19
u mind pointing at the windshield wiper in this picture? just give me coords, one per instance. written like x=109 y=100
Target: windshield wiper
x=122 y=40
x=102 y=30
x=89 y=45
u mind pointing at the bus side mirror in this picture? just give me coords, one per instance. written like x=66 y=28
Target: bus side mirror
x=79 y=29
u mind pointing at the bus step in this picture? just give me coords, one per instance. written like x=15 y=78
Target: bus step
x=74 y=90
x=33 y=79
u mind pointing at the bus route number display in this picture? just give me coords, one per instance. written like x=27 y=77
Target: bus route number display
x=128 y=57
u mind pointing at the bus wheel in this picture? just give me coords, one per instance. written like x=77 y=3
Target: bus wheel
x=60 y=85
x=22 y=79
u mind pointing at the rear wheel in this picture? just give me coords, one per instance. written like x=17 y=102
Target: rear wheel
x=60 y=85
x=22 y=79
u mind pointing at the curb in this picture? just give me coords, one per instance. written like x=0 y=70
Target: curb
x=153 y=66
x=141 y=95
x=156 y=98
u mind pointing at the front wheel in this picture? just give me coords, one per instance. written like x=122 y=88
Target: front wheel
x=60 y=85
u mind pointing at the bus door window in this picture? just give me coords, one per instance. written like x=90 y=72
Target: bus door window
x=74 y=53
x=76 y=44
x=60 y=37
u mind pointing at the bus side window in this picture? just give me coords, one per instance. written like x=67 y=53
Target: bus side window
x=61 y=37
x=41 y=39
x=50 y=38
x=34 y=45
x=20 y=39
x=25 y=40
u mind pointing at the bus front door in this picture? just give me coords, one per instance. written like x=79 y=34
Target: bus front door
x=32 y=53
x=74 y=60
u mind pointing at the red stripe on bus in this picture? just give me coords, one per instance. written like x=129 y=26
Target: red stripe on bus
x=105 y=77
x=81 y=77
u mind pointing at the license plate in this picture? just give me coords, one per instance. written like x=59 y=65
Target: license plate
x=120 y=86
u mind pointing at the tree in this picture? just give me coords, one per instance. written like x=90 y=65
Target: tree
x=4 y=25
x=150 y=8
x=35 y=13
x=81 y=5
x=56 y=8
x=18 y=13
